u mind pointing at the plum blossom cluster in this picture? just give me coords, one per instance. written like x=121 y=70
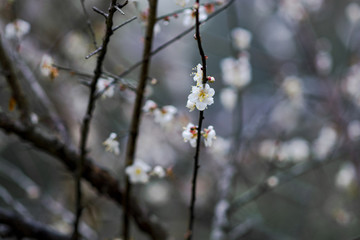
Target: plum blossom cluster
x=162 y=115
x=190 y=134
x=140 y=172
x=17 y=29
x=46 y=67
x=189 y=15
x=236 y=72
x=201 y=95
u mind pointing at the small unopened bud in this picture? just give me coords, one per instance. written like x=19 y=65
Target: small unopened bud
x=196 y=6
x=167 y=18
x=210 y=79
x=206 y=57
x=195 y=37
x=154 y=81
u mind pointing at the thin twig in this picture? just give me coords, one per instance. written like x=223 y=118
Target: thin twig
x=136 y=116
x=189 y=233
x=124 y=23
x=85 y=127
x=99 y=178
x=91 y=30
x=13 y=82
x=94 y=52
x=105 y=15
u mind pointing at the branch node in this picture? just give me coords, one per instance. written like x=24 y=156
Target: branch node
x=102 y=13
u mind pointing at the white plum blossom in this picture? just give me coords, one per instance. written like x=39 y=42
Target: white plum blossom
x=111 y=144
x=241 y=38
x=198 y=75
x=352 y=12
x=189 y=16
x=272 y=181
x=158 y=171
x=182 y=3
x=228 y=98
x=138 y=172
x=46 y=67
x=165 y=114
x=209 y=135
x=200 y=97
x=236 y=72
x=149 y=106
x=17 y=29
x=325 y=142
x=106 y=87
x=346 y=176
x=190 y=134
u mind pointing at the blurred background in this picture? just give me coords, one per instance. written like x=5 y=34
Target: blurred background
x=287 y=95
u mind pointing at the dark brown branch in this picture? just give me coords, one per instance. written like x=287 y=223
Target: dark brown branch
x=24 y=227
x=201 y=118
x=99 y=178
x=85 y=127
x=13 y=82
x=136 y=116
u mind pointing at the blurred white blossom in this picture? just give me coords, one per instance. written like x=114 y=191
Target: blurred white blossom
x=165 y=114
x=292 y=10
x=46 y=67
x=158 y=171
x=352 y=12
x=269 y=149
x=353 y=130
x=241 y=38
x=106 y=87
x=236 y=72
x=351 y=84
x=285 y=116
x=149 y=106
x=190 y=134
x=17 y=29
x=228 y=98
x=221 y=147
x=272 y=181
x=189 y=16
x=138 y=172
x=111 y=144
x=345 y=176
x=325 y=142
x=323 y=62
x=182 y=3
x=293 y=88
x=296 y=150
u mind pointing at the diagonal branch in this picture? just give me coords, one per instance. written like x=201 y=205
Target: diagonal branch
x=99 y=178
x=13 y=81
x=24 y=227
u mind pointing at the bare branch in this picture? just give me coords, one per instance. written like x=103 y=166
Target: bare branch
x=136 y=116
x=99 y=178
x=105 y=15
x=26 y=227
x=124 y=23
x=91 y=30
x=93 y=53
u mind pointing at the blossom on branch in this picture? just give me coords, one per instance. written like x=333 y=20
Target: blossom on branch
x=111 y=144
x=190 y=134
x=149 y=106
x=200 y=97
x=190 y=16
x=209 y=134
x=106 y=87
x=17 y=29
x=198 y=75
x=46 y=67
x=158 y=171
x=138 y=172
